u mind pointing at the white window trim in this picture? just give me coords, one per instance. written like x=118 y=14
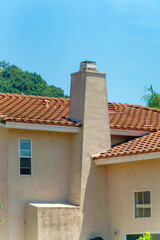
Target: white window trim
x=27 y=175
x=148 y=190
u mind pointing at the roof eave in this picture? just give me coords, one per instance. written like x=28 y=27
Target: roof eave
x=127 y=132
x=129 y=158
x=40 y=127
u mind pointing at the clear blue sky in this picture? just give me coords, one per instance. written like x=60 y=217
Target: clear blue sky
x=52 y=37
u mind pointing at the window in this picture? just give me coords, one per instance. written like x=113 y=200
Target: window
x=155 y=236
x=25 y=152
x=133 y=236
x=142 y=204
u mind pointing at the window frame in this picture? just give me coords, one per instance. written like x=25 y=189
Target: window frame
x=25 y=157
x=148 y=190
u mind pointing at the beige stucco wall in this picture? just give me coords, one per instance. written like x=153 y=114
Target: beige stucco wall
x=31 y=222
x=95 y=205
x=92 y=102
x=122 y=181
x=50 y=180
x=75 y=168
x=4 y=182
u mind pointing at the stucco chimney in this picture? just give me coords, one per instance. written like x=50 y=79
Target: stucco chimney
x=87 y=182
x=88 y=104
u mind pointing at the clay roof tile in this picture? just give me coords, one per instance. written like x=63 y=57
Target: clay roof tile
x=145 y=144
x=32 y=109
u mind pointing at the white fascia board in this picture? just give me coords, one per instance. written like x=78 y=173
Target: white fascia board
x=40 y=127
x=123 y=132
x=130 y=158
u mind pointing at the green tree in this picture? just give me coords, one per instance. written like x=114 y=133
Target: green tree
x=146 y=236
x=1 y=219
x=14 y=80
x=151 y=97
x=4 y=64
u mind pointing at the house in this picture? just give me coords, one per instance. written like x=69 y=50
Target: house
x=81 y=168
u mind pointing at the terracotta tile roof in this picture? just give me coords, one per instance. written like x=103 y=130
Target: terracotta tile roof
x=145 y=144
x=35 y=109
x=133 y=117
x=50 y=110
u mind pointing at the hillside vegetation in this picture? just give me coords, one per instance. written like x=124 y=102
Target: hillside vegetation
x=15 y=80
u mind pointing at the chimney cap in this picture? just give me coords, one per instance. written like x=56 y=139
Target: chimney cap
x=88 y=65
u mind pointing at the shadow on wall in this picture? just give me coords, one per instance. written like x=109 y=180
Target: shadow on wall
x=95 y=211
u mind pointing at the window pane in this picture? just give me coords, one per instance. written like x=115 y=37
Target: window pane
x=147 y=212
x=25 y=162
x=134 y=236
x=25 y=171
x=139 y=212
x=138 y=198
x=25 y=166
x=25 y=147
x=147 y=197
x=155 y=236
x=25 y=153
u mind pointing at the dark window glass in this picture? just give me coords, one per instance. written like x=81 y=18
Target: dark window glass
x=25 y=157
x=25 y=162
x=139 y=212
x=155 y=236
x=138 y=198
x=25 y=171
x=147 y=197
x=147 y=212
x=134 y=236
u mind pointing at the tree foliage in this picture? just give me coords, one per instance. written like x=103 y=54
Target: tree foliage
x=1 y=219
x=146 y=236
x=151 y=97
x=14 y=80
x=4 y=64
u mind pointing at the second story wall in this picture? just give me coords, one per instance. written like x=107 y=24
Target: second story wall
x=124 y=179
x=50 y=179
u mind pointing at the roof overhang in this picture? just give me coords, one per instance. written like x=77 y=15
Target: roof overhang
x=126 y=132
x=130 y=158
x=40 y=127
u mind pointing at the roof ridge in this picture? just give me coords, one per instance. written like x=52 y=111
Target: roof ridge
x=32 y=96
x=135 y=106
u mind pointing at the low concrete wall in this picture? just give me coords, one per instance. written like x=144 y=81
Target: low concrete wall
x=52 y=221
